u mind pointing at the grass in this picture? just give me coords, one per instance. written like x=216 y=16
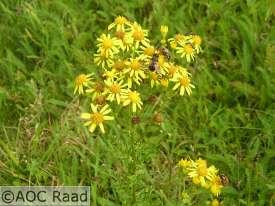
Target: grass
x=229 y=119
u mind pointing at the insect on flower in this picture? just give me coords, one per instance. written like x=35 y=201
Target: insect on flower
x=153 y=66
x=128 y=62
x=224 y=179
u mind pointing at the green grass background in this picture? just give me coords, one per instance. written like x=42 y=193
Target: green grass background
x=228 y=120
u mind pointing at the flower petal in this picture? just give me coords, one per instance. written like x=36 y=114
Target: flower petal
x=85 y=115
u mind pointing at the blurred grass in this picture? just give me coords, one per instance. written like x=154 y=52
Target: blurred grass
x=229 y=119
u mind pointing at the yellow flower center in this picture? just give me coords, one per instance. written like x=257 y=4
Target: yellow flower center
x=164 y=82
x=185 y=81
x=120 y=34
x=138 y=35
x=120 y=20
x=107 y=43
x=172 y=70
x=134 y=97
x=115 y=88
x=149 y=51
x=197 y=40
x=188 y=49
x=119 y=65
x=80 y=79
x=97 y=118
x=135 y=65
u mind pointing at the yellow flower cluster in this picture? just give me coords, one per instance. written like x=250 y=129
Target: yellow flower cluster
x=128 y=60
x=186 y=45
x=202 y=175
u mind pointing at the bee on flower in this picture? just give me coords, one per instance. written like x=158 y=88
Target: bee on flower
x=129 y=63
x=97 y=117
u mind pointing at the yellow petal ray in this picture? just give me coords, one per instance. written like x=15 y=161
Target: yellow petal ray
x=85 y=115
x=101 y=128
x=92 y=128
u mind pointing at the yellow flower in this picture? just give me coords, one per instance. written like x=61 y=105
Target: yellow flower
x=115 y=90
x=184 y=163
x=108 y=45
x=97 y=89
x=172 y=70
x=163 y=30
x=81 y=81
x=112 y=74
x=139 y=35
x=215 y=202
x=126 y=40
x=187 y=51
x=119 y=65
x=102 y=60
x=164 y=82
x=132 y=97
x=196 y=41
x=96 y=118
x=216 y=185
x=154 y=79
x=147 y=51
x=178 y=38
x=135 y=71
x=186 y=199
x=183 y=83
x=200 y=174
x=120 y=23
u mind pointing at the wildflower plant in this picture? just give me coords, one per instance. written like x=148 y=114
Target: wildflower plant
x=203 y=176
x=128 y=62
